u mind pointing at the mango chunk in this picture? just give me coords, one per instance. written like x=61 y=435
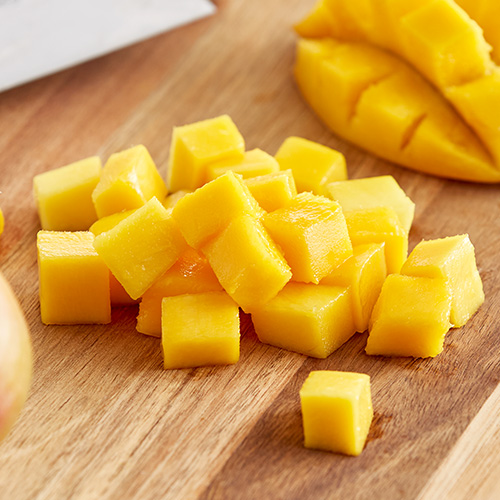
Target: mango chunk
x=451 y=259
x=2 y=221
x=380 y=225
x=372 y=192
x=273 y=191
x=73 y=279
x=312 y=232
x=247 y=262
x=197 y=145
x=203 y=214
x=314 y=320
x=140 y=248
x=189 y=275
x=129 y=179
x=336 y=411
x=171 y=200
x=313 y=165
x=199 y=330
x=254 y=163
x=64 y=195
x=318 y=23
x=410 y=318
x=364 y=273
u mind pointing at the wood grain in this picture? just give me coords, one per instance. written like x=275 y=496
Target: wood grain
x=105 y=421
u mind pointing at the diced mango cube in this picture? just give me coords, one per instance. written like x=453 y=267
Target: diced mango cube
x=73 y=279
x=64 y=195
x=313 y=165
x=199 y=330
x=199 y=144
x=129 y=179
x=247 y=262
x=171 y=200
x=140 y=248
x=380 y=225
x=273 y=191
x=203 y=214
x=364 y=273
x=314 y=320
x=410 y=318
x=254 y=163
x=371 y=192
x=452 y=259
x=311 y=230
x=336 y=411
x=190 y=274
x=318 y=23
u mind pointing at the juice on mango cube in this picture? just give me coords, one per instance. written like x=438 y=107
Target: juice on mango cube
x=247 y=262
x=203 y=214
x=73 y=279
x=336 y=411
x=140 y=248
x=273 y=191
x=64 y=195
x=411 y=317
x=364 y=273
x=314 y=320
x=311 y=230
x=313 y=165
x=199 y=330
x=452 y=259
x=197 y=145
x=190 y=274
x=129 y=179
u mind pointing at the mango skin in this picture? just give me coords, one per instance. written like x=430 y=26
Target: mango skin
x=16 y=360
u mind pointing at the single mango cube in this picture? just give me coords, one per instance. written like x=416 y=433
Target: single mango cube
x=314 y=320
x=380 y=225
x=203 y=214
x=336 y=411
x=313 y=165
x=73 y=279
x=273 y=191
x=364 y=273
x=64 y=196
x=318 y=23
x=254 y=163
x=312 y=232
x=372 y=192
x=189 y=275
x=199 y=330
x=247 y=262
x=129 y=179
x=171 y=200
x=410 y=318
x=140 y=248
x=119 y=297
x=452 y=259
x=198 y=145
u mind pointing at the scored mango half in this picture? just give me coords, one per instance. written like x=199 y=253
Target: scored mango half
x=412 y=81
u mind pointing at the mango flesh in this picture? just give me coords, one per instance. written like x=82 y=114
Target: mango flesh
x=64 y=195
x=73 y=279
x=410 y=318
x=312 y=232
x=199 y=330
x=272 y=191
x=129 y=179
x=451 y=259
x=314 y=320
x=336 y=411
x=15 y=358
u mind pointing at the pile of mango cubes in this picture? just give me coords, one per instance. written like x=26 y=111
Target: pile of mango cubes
x=311 y=256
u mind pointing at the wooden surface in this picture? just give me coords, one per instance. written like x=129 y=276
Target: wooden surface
x=104 y=421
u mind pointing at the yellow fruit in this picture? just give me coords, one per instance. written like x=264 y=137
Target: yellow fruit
x=73 y=279
x=64 y=196
x=199 y=330
x=336 y=411
x=272 y=191
x=15 y=358
x=314 y=320
x=2 y=221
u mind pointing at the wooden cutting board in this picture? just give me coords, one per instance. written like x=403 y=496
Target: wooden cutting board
x=105 y=421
